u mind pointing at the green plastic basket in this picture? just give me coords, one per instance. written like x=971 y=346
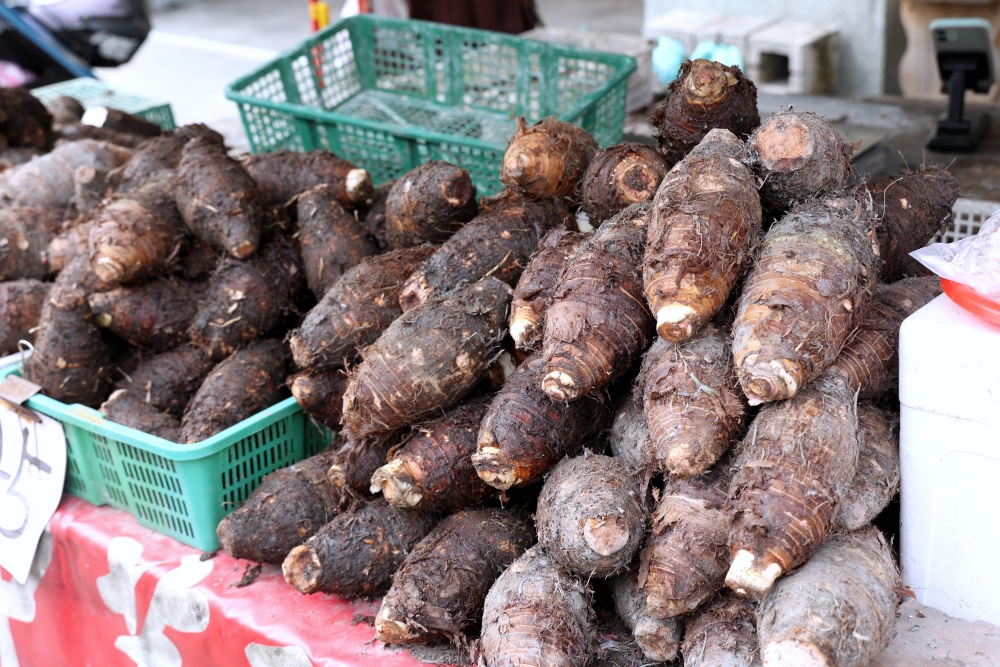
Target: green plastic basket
x=93 y=93
x=390 y=94
x=179 y=490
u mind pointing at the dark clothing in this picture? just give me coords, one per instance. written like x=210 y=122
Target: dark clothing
x=512 y=16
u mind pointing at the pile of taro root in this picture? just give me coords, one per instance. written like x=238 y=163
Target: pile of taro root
x=685 y=415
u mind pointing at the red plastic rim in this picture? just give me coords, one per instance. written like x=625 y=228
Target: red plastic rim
x=972 y=301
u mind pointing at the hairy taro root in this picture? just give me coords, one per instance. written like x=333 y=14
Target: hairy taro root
x=48 y=179
x=153 y=316
x=547 y=159
x=428 y=204
x=331 y=240
x=659 y=638
x=168 y=381
x=722 y=633
x=281 y=175
x=21 y=303
x=320 y=392
x=620 y=176
x=127 y=407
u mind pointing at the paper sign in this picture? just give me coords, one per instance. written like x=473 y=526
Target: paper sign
x=32 y=471
x=17 y=390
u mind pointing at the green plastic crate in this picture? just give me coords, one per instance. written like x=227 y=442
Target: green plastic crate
x=179 y=490
x=93 y=93
x=390 y=94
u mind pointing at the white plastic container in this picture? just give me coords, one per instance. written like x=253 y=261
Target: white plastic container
x=949 y=390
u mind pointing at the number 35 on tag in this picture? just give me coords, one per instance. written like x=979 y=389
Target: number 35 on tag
x=32 y=470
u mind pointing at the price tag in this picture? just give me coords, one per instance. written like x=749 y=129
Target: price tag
x=32 y=471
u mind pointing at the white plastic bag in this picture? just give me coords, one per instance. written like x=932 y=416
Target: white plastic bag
x=972 y=261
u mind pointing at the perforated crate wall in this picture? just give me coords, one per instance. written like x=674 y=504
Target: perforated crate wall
x=970 y=214
x=93 y=93
x=389 y=94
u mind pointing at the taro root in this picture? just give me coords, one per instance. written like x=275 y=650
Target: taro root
x=157 y=155
x=497 y=244
x=358 y=551
x=282 y=175
x=620 y=176
x=429 y=204
x=525 y=433
x=197 y=262
x=793 y=468
x=432 y=469
x=911 y=209
x=68 y=245
x=705 y=96
x=218 y=200
x=457 y=337
x=71 y=362
x=547 y=159
x=692 y=402
x=703 y=227
x=876 y=480
x=24 y=120
x=239 y=387
x=320 y=392
x=591 y=516
x=154 y=316
x=90 y=188
x=331 y=240
x=249 y=299
x=722 y=633
x=598 y=324
x=356 y=310
x=80 y=275
x=64 y=110
x=809 y=287
x=375 y=217
x=659 y=638
x=21 y=303
x=117 y=120
x=839 y=610
x=537 y=614
x=168 y=381
x=126 y=407
x=25 y=234
x=797 y=156
x=438 y=592
x=80 y=131
x=686 y=555
x=138 y=236
x=352 y=468
x=628 y=436
x=534 y=289
x=288 y=507
x=48 y=179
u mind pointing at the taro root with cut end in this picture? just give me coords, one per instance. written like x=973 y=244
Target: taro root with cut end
x=69 y=244
x=869 y=362
x=438 y=592
x=686 y=555
x=797 y=156
x=239 y=387
x=598 y=324
x=331 y=240
x=536 y=613
x=547 y=159
x=432 y=469
x=876 y=479
x=591 y=515
x=839 y=610
x=723 y=633
x=659 y=638
x=218 y=200
x=288 y=507
x=117 y=120
x=620 y=176
x=154 y=316
x=705 y=96
x=127 y=407
x=282 y=175
x=793 y=469
x=352 y=468
x=703 y=227
x=21 y=303
x=79 y=274
x=534 y=289
x=427 y=360
x=48 y=179
x=692 y=402
x=525 y=433
x=911 y=209
x=428 y=204
x=358 y=551
x=138 y=236
x=169 y=380
x=498 y=244
x=810 y=286
x=246 y=300
x=71 y=362
x=356 y=310
x=320 y=392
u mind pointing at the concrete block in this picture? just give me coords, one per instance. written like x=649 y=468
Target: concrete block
x=736 y=30
x=681 y=24
x=794 y=57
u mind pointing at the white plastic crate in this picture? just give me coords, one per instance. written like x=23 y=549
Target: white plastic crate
x=970 y=214
x=794 y=58
x=736 y=31
x=640 y=84
x=683 y=25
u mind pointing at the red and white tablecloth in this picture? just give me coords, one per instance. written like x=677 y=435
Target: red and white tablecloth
x=106 y=592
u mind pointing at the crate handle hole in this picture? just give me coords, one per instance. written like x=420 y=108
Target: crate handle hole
x=774 y=68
